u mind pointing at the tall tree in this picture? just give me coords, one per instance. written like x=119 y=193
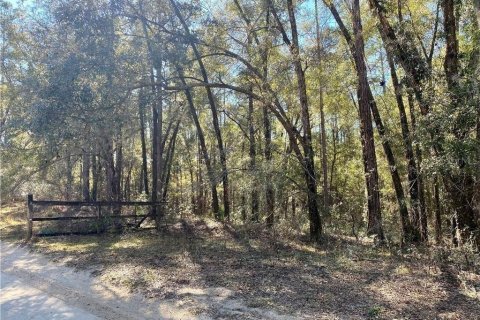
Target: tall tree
x=461 y=185
x=369 y=156
x=141 y=111
x=308 y=160
x=252 y=153
x=323 y=129
x=213 y=109
x=202 y=144
x=413 y=179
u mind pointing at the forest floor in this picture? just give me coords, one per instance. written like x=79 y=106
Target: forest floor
x=215 y=270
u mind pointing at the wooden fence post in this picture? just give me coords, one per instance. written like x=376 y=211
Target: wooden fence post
x=29 y=216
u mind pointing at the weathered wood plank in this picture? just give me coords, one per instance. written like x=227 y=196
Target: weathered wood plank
x=95 y=203
x=85 y=217
x=29 y=216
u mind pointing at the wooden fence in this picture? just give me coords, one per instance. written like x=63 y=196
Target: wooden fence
x=97 y=204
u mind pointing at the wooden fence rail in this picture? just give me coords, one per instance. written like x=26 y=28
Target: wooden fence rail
x=98 y=217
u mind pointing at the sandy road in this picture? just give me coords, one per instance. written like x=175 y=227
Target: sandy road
x=32 y=287
x=20 y=300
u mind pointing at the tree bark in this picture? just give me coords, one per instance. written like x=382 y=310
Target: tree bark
x=141 y=112
x=86 y=175
x=117 y=179
x=68 y=188
x=461 y=186
x=438 y=211
x=109 y=169
x=369 y=156
x=252 y=154
x=309 y=166
x=323 y=130
x=411 y=229
x=192 y=181
x=357 y=52
x=155 y=153
x=366 y=105
x=156 y=61
x=201 y=192
x=269 y=191
x=418 y=221
x=96 y=169
x=169 y=160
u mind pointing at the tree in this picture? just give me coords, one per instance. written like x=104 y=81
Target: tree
x=213 y=108
x=112 y=100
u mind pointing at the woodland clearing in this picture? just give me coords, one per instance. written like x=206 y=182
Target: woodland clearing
x=215 y=270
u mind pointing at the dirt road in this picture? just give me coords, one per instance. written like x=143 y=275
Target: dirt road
x=33 y=287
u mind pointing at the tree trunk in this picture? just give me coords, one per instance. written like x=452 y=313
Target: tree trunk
x=369 y=157
x=203 y=145
x=269 y=191
x=117 y=180
x=308 y=161
x=68 y=188
x=413 y=234
x=141 y=111
x=408 y=233
x=438 y=211
x=461 y=186
x=109 y=169
x=323 y=130
x=127 y=183
x=201 y=204
x=367 y=105
x=192 y=179
x=96 y=169
x=86 y=175
x=267 y=129
x=423 y=207
x=418 y=221
x=409 y=57
x=118 y=168
x=213 y=108
x=252 y=154
x=161 y=146
x=169 y=159
x=157 y=119
x=155 y=154
x=334 y=149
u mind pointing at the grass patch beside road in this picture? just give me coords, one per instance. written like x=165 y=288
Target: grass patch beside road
x=13 y=221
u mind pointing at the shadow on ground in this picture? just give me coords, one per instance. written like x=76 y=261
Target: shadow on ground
x=346 y=279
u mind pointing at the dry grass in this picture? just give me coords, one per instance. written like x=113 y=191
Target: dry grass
x=345 y=279
x=13 y=221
